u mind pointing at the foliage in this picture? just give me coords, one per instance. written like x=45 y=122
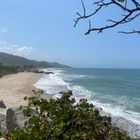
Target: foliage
x=0 y=132
x=4 y=70
x=121 y=0
x=64 y=119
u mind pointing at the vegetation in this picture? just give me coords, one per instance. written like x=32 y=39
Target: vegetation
x=128 y=11
x=12 y=60
x=4 y=70
x=64 y=119
x=0 y=132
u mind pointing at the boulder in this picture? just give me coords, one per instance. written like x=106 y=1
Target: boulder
x=2 y=104
x=41 y=71
x=48 y=72
x=65 y=91
x=11 y=120
x=2 y=139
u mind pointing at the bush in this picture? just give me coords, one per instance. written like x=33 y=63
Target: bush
x=64 y=119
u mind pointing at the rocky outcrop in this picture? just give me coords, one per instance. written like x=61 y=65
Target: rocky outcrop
x=65 y=91
x=49 y=72
x=41 y=71
x=11 y=121
x=2 y=139
x=2 y=104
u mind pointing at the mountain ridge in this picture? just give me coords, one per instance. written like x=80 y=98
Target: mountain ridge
x=14 y=60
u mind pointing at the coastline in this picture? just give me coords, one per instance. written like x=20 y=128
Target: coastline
x=14 y=87
x=74 y=80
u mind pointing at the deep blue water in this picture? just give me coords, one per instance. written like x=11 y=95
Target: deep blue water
x=116 y=91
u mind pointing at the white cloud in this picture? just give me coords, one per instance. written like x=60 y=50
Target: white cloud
x=15 y=49
x=3 y=30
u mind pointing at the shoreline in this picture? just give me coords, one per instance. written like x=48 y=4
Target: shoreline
x=14 y=87
x=124 y=124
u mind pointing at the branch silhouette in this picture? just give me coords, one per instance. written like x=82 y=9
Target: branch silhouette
x=130 y=13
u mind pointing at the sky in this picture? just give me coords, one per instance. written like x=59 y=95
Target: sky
x=44 y=30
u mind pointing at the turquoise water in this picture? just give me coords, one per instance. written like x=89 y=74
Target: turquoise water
x=116 y=91
x=114 y=86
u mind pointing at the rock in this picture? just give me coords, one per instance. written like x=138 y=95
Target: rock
x=11 y=120
x=66 y=91
x=41 y=71
x=2 y=117
x=48 y=72
x=2 y=139
x=2 y=104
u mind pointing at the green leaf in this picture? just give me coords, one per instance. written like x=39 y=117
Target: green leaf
x=121 y=0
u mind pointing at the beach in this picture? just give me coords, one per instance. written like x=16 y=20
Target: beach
x=14 y=87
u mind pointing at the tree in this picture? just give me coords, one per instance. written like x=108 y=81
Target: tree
x=130 y=11
x=64 y=119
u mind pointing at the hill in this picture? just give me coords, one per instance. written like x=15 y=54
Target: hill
x=13 y=60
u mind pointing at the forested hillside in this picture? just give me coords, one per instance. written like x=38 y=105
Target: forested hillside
x=12 y=60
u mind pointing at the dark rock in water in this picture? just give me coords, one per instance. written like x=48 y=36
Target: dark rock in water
x=42 y=72
x=2 y=104
x=48 y=72
x=65 y=91
x=11 y=120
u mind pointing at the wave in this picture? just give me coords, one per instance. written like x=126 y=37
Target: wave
x=73 y=76
x=52 y=83
x=127 y=120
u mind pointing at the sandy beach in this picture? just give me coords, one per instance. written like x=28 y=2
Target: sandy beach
x=14 y=87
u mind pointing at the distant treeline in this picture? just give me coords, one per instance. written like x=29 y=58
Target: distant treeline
x=4 y=70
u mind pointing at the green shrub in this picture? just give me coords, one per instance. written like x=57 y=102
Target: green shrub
x=0 y=132
x=64 y=119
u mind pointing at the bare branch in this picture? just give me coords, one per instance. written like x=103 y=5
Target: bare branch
x=92 y=14
x=121 y=6
x=101 y=29
x=83 y=7
x=136 y=3
x=130 y=14
x=131 y=32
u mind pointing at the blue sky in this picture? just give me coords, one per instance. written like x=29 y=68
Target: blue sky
x=43 y=30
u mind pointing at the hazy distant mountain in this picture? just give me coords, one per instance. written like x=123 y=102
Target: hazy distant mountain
x=13 y=60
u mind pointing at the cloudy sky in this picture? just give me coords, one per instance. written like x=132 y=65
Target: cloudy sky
x=43 y=30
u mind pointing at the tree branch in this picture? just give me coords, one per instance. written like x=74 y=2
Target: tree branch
x=130 y=14
x=131 y=32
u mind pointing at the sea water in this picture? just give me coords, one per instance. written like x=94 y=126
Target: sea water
x=116 y=91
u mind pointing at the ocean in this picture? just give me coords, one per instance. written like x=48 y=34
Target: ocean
x=116 y=91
